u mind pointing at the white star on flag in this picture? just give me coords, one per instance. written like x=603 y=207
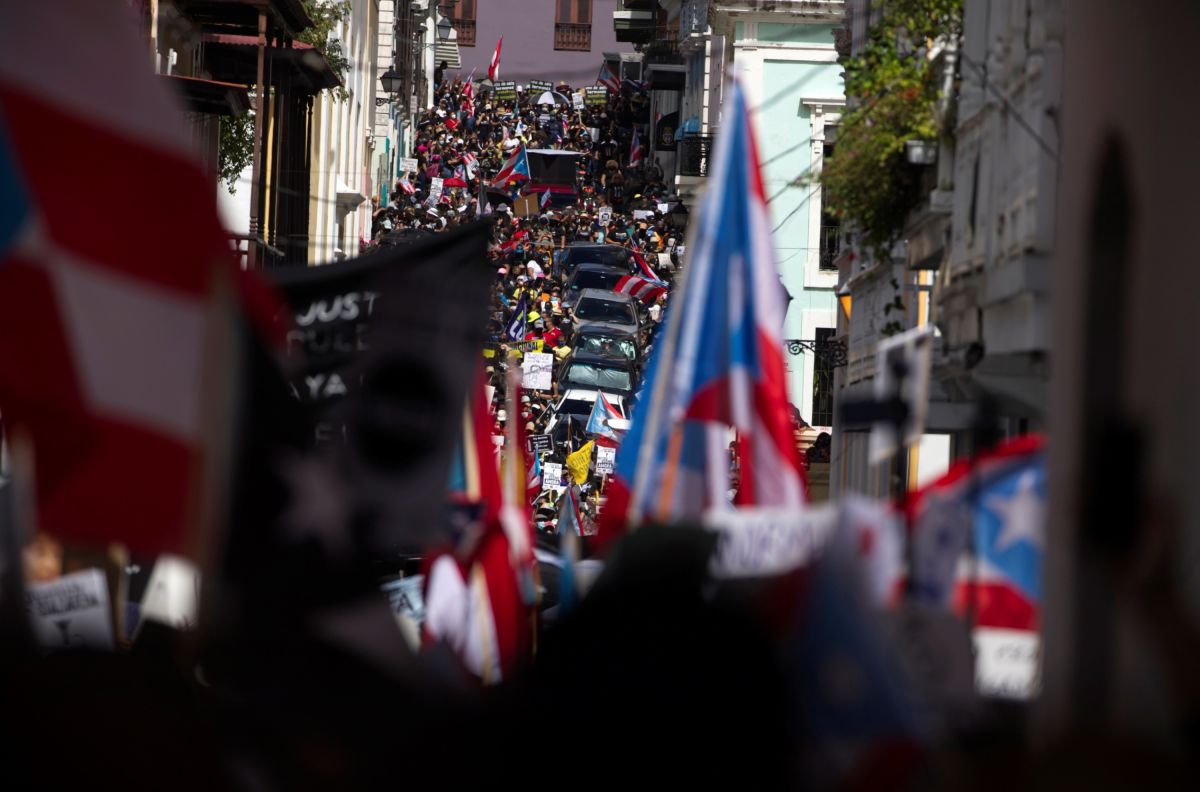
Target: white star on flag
x=1022 y=514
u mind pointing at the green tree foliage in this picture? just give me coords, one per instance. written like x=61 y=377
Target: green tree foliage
x=893 y=90
x=236 y=149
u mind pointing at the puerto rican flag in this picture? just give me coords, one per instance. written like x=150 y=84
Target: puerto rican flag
x=642 y=289
x=544 y=201
x=494 y=66
x=406 y=187
x=597 y=424
x=470 y=163
x=514 y=170
x=635 y=150
x=719 y=366
x=533 y=478
x=478 y=602
x=103 y=332
x=608 y=79
x=998 y=501
x=647 y=272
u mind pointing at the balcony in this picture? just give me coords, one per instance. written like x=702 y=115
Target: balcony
x=663 y=48
x=694 y=153
x=465 y=28
x=573 y=37
x=634 y=21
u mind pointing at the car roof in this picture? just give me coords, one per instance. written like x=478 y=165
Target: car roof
x=588 y=394
x=596 y=266
x=578 y=245
x=605 y=294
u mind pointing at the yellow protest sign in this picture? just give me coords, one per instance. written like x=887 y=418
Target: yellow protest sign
x=578 y=462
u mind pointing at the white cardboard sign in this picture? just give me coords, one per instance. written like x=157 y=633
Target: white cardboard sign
x=760 y=542
x=536 y=370
x=71 y=612
x=552 y=476
x=606 y=459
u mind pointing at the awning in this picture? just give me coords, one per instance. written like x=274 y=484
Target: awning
x=234 y=58
x=211 y=96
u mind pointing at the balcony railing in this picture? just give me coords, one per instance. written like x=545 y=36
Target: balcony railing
x=694 y=153
x=466 y=31
x=831 y=245
x=571 y=36
x=663 y=48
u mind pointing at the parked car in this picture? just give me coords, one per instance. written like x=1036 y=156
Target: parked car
x=598 y=305
x=587 y=370
x=590 y=253
x=578 y=403
x=613 y=341
x=591 y=276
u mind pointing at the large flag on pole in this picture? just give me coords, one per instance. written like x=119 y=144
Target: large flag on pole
x=608 y=79
x=598 y=421
x=635 y=149
x=494 y=66
x=102 y=331
x=720 y=365
x=516 y=325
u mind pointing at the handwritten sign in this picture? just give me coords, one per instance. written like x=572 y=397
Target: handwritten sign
x=406 y=165
x=606 y=459
x=71 y=612
x=577 y=101
x=540 y=86
x=435 y=190
x=760 y=542
x=1007 y=663
x=172 y=594
x=505 y=91
x=552 y=473
x=537 y=369
x=540 y=442
x=595 y=95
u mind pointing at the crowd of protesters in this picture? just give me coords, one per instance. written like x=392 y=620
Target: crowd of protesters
x=619 y=199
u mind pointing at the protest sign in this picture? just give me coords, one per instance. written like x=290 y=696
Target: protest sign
x=577 y=100
x=540 y=442
x=643 y=214
x=759 y=542
x=71 y=612
x=406 y=165
x=537 y=87
x=435 y=191
x=595 y=95
x=536 y=370
x=534 y=345
x=172 y=594
x=605 y=215
x=1006 y=663
x=606 y=459
x=382 y=375
x=526 y=205
x=552 y=476
x=505 y=91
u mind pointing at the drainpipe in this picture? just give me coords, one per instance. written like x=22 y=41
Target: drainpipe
x=252 y=258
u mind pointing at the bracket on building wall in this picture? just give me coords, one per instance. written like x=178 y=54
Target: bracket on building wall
x=833 y=350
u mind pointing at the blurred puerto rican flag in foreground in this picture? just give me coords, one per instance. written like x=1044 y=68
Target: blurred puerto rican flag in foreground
x=106 y=278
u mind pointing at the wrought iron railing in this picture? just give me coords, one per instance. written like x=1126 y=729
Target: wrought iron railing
x=572 y=36
x=466 y=31
x=694 y=153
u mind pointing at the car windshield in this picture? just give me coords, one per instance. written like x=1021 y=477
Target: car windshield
x=608 y=346
x=612 y=257
x=598 y=377
x=605 y=311
x=575 y=407
x=595 y=280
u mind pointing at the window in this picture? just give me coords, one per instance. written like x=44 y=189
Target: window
x=462 y=16
x=831 y=224
x=822 y=388
x=573 y=25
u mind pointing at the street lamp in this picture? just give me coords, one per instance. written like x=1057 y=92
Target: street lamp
x=392 y=80
x=444 y=26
